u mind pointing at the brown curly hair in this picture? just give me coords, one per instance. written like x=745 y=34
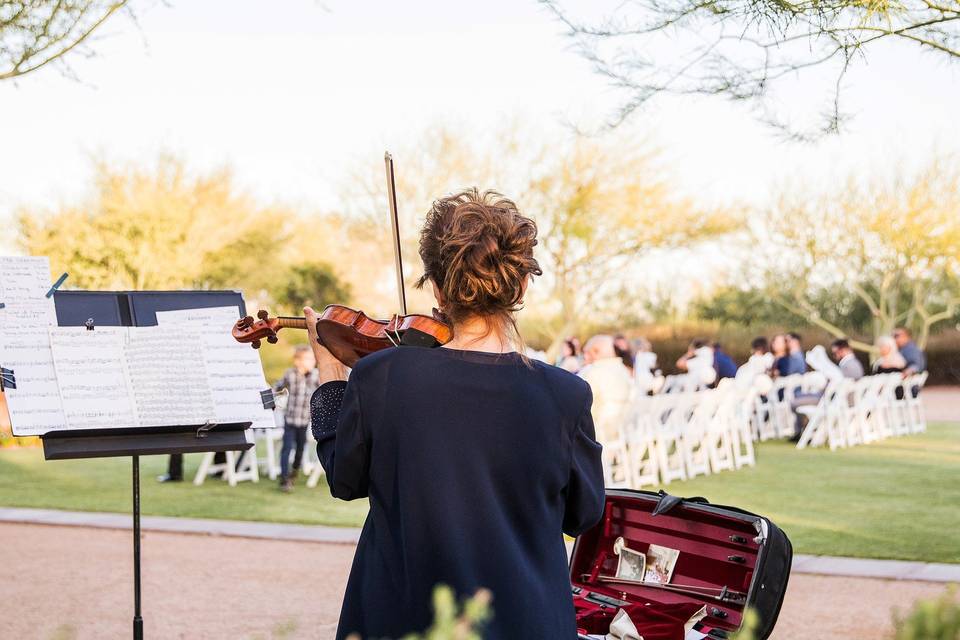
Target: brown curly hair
x=478 y=249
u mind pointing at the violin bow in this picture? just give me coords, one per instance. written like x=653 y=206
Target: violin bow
x=395 y=223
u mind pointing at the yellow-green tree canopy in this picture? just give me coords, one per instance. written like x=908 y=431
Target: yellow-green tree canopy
x=161 y=227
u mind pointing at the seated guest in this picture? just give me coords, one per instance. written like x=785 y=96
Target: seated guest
x=759 y=362
x=644 y=363
x=849 y=365
x=890 y=360
x=794 y=362
x=623 y=350
x=916 y=361
x=698 y=363
x=611 y=384
x=778 y=347
x=644 y=360
x=723 y=363
x=568 y=359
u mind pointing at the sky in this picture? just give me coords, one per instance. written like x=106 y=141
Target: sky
x=291 y=93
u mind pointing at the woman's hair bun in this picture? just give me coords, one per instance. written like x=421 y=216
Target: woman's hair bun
x=478 y=249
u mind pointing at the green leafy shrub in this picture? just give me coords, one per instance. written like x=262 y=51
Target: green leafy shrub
x=937 y=619
x=453 y=621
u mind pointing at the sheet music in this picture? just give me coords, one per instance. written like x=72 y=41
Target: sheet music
x=234 y=370
x=130 y=377
x=167 y=377
x=90 y=367
x=35 y=405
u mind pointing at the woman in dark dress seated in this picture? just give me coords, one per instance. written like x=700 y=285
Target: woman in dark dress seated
x=474 y=459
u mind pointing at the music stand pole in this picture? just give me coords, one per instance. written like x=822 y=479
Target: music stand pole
x=137 y=619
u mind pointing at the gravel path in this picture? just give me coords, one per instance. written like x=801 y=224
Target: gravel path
x=74 y=583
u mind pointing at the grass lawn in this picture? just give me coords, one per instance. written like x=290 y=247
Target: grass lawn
x=896 y=499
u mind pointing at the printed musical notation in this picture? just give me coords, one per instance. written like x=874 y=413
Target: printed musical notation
x=130 y=377
x=168 y=377
x=34 y=406
x=92 y=374
x=234 y=373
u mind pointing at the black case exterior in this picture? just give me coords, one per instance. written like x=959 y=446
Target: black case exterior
x=771 y=572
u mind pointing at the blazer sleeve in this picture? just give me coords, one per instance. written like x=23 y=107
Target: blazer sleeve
x=342 y=443
x=584 y=493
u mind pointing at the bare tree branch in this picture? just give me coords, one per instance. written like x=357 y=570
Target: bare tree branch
x=34 y=34
x=740 y=49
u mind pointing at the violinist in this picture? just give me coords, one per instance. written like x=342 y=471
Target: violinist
x=474 y=459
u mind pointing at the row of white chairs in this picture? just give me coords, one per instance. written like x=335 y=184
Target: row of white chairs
x=681 y=435
x=867 y=410
x=678 y=434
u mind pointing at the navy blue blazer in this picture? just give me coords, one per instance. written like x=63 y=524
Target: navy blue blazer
x=474 y=464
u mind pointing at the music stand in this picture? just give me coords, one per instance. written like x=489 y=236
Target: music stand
x=138 y=308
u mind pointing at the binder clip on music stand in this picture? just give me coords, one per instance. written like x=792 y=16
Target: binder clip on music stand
x=143 y=441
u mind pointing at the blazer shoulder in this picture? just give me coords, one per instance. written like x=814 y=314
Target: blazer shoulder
x=573 y=390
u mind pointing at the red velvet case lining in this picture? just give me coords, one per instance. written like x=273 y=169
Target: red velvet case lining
x=706 y=541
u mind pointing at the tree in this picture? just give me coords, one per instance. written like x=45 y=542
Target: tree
x=895 y=247
x=310 y=284
x=36 y=33
x=599 y=206
x=160 y=227
x=741 y=49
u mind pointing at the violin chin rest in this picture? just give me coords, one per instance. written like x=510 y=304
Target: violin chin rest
x=417 y=338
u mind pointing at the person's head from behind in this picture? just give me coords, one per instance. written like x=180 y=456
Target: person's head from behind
x=568 y=349
x=778 y=345
x=794 y=342
x=901 y=335
x=303 y=359
x=599 y=347
x=886 y=345
x=840 y=348
x=642 y=345
x=477 y=252
x=759 y=346
x=621 y=344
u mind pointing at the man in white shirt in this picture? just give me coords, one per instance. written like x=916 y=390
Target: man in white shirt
x=612 y=387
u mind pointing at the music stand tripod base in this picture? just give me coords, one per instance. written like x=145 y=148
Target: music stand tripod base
x=145 y=441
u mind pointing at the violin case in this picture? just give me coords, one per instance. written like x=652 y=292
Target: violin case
x=729 y=560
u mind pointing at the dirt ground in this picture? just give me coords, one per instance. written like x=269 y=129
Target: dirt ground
x=71 y=583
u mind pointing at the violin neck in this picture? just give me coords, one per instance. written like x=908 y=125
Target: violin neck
x=287 y=322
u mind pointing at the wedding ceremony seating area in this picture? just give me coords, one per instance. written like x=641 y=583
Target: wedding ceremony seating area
x=686 y=430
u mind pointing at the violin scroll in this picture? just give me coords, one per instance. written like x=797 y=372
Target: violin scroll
x=250 y=331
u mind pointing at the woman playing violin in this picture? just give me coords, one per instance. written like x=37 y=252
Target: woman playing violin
x=474 y=458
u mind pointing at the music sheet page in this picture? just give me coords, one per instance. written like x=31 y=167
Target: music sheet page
x=91 y=371
x=35 y=405
x=168 y=377
x=234 y=370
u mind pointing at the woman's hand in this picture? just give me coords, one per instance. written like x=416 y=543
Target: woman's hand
x=329 y=367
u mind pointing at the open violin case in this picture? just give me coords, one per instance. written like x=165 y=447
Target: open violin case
x=726 y=560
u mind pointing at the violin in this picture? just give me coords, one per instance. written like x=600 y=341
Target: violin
x=350 y=334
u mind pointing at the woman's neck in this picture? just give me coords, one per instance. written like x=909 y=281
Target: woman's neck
x=476 y=334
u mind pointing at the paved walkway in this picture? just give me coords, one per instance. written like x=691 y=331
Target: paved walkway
x=817 y=565
x=74 y=582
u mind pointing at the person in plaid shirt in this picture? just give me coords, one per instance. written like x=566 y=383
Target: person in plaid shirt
x=300 y=381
